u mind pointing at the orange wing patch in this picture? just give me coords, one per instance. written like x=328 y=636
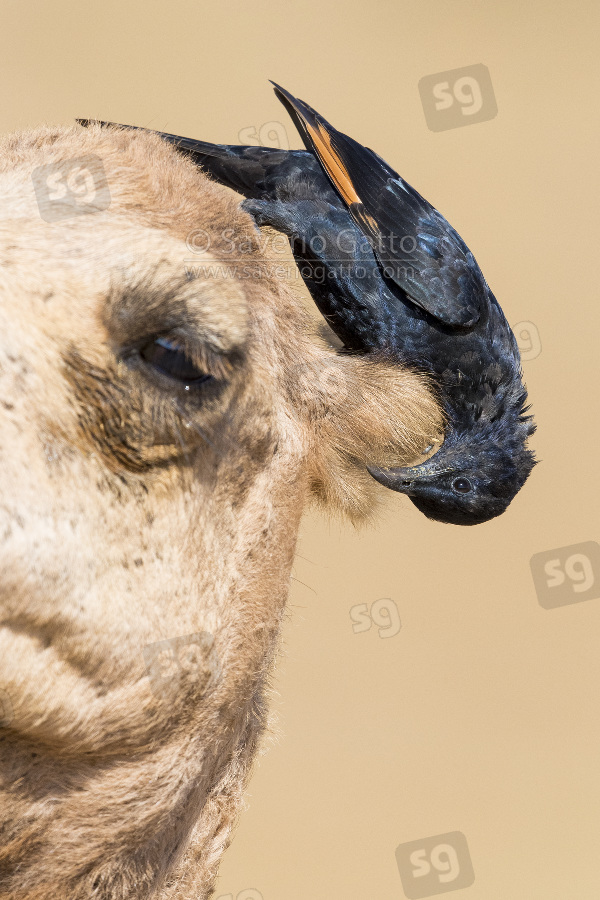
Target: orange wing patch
x=364 y=220
x=339 y=175
x=333 y=163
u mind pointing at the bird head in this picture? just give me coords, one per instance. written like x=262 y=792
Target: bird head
x=472 y=478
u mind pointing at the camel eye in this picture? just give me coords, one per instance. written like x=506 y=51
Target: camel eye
x=168 y=357
x=462 y=485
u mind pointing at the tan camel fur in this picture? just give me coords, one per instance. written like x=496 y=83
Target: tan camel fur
x=134 y=511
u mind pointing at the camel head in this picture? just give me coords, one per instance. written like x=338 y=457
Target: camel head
x=162 y=425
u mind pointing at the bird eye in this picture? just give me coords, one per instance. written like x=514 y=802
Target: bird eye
x=462 y=485
x=170 y=359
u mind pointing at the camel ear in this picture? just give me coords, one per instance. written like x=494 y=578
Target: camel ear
x=364 y=410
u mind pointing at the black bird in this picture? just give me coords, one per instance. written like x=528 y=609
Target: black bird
x=391 y=276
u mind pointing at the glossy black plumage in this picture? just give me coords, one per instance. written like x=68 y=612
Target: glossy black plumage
x=392 y=276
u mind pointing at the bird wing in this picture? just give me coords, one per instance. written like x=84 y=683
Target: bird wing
x=417 y=248
x=245 y=169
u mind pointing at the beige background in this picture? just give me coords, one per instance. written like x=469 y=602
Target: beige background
x=482 y=714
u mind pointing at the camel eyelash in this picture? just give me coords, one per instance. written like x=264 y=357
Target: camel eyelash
x=171 y=359
x=172 y=356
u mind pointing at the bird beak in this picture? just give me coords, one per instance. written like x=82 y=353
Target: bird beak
x=406 y=479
